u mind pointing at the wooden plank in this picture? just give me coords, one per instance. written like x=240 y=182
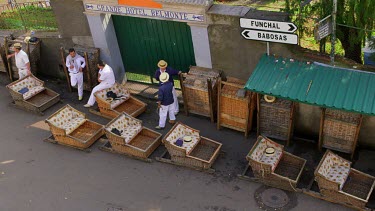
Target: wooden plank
x=209 y=89
x=248 y=111
x=234 y=118
x=180 y=76
x=6 y=47
x=321 y=129
x=88 y=70
x=65 y=69
x=218 y=103
x=105 y=148
x=356 y=137
x=258 y=114
x=93 y=111
x=233 y=127
x=52 y=140
x=232 y=84
x=169 y=161
x=290 y=129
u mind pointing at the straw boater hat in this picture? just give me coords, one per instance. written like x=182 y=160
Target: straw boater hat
x=187 y=139
x=162 y=64
x=164 y=77
x=270 y=151
x=269 y=99
x=17 y=45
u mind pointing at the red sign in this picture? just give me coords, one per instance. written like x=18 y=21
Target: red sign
x=140 y=3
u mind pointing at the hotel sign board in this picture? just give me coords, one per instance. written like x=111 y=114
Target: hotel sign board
x=144 y=12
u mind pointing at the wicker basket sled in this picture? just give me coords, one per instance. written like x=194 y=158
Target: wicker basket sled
x=233 y=111
x=199 y=91
x=281 y=169
x=110 y=108
x=71 y=128
x=339 y=130
x=339 y=183
x=134 y=140
x=275 y=119
x=38 y=97
x=199 y=154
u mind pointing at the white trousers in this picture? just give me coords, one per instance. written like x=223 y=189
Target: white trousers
x=22 y=73
x=77 y=79
x=97 y=88
x=163 y=111
x=176 y=107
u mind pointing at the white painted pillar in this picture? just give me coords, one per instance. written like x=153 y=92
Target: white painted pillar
x=201 y=45
x=104 y=36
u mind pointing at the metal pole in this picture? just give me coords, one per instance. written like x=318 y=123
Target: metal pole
x=333 y=36
x=268 y=48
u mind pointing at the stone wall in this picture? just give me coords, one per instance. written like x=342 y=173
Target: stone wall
x=70 y=18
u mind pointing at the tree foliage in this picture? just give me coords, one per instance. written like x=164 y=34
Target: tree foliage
x=356 y=13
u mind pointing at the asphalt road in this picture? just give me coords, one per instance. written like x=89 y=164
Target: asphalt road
x=40 y=176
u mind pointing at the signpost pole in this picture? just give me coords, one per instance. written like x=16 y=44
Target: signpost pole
x=268 y=48
x=333 y=36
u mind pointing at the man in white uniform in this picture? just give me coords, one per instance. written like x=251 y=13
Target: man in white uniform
x=106 y=78
x=22 y=61
x=75 y=64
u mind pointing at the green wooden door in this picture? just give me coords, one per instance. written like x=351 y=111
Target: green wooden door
x=143 y=42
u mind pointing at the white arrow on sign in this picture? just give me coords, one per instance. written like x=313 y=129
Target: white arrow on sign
x=270 y=36
x=278 y=26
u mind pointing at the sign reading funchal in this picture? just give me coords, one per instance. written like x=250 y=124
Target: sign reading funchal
x=269 y=31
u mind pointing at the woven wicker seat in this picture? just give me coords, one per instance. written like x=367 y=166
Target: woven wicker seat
x=201 y=152
x=33 y=84
x=70 y=127
x=280 y=169
x=180 y=132
x=135 y=140
x=340 y=183
x=114 y=107
x=35 y=96
x=334 y=169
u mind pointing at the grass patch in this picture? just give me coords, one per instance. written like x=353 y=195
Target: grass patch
x=147 y=79
x=33 y=18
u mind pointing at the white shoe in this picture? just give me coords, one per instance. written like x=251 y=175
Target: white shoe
x=87 y=106
x=175 y=113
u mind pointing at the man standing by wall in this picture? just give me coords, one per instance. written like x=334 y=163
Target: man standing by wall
x=75 y=64
x=106 y=78
x=163 y=67
x=22 y=61
x=165 y=101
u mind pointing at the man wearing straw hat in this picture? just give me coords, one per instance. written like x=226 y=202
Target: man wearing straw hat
x=165 y=101
x=163 y=67
x=22 y=61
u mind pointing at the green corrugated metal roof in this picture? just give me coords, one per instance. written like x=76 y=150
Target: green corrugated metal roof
x=314 y=84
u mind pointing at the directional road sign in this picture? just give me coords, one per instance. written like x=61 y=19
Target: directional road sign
x=270 y=36
x=265 y=25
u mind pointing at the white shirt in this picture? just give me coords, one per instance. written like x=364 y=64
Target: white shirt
x=78 y=61
x=106 y=75
x=21 y=59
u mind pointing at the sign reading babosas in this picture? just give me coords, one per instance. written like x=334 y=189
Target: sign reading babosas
x=151 y=13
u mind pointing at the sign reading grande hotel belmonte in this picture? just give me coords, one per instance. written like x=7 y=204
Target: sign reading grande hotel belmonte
x=144 y=12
